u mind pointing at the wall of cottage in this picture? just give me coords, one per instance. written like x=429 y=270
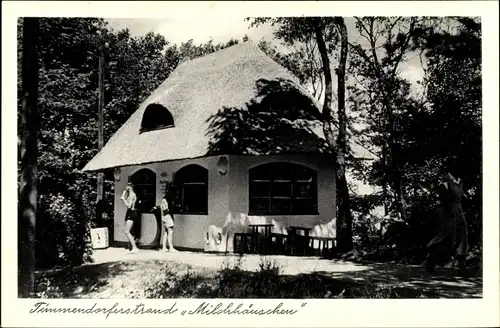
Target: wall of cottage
x=228 y=203
x=189 y=228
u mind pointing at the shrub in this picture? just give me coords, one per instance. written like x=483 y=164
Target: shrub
x=181 y=283
x=62 y=234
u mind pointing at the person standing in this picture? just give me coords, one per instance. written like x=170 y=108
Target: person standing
x=452 y=239
x=167 y=220
x=132 y=216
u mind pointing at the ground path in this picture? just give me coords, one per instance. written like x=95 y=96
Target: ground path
x=116 y=273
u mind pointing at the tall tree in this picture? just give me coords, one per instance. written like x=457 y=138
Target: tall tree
x=325 y=32
x=386 y=43
x=69 y=50
x=67 y=137
x=435 y=121
x=453 y=94
x=344 y=206
x=29 y=153
x=100 y=122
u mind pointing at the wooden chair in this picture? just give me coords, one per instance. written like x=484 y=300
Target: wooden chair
x=297 y=243
x=326 y=245
x=260 y=238
x=278 y=243
x=241 y=243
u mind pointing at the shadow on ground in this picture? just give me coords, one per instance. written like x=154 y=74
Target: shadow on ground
x=73 y=283
x=409 y=281
x=165 y=279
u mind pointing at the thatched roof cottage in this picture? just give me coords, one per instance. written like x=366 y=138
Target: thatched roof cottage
x=240 y=140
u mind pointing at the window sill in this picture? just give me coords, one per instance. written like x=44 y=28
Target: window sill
x=191 y=213
x=162 y=127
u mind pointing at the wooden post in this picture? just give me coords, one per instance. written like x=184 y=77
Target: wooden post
x=29 y=154
x=100 y=123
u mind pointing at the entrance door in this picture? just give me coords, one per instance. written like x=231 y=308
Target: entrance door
x=148 y=231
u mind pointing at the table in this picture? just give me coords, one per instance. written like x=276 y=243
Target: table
x=255 y=232
x=295 y=229
x=297 y=241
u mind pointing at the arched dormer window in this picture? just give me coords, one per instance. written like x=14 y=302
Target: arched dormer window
x=156 y=117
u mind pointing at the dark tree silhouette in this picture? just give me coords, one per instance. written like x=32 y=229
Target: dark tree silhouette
x=344 y=227
x=29 y=153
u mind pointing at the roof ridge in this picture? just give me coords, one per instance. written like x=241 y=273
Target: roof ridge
x=218 y=52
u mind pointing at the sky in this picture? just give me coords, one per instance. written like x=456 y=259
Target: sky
x=203 y=28
x=200 y=29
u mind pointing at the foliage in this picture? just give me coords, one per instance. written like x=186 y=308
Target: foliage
x=64 y=239
x=302 y=63
x=453 y=91
x=69 y=51
x=414 y=135
x=188 y=50
x=381 y=97
x=231 y=281
x=433 y=129
x=317 y=39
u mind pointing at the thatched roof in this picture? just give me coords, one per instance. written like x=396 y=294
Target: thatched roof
x=209 y=95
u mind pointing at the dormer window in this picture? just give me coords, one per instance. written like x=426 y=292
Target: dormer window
x=156 y=117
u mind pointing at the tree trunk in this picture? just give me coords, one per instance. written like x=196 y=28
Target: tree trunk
x=398 y=181
x=344 y=219
x=397 y=176
x=100 y=123
x=385 y=195
x=387 y=80
x=326 y=114
x=29 y=153
x=344 y=242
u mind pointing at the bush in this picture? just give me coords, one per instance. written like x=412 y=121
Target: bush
x=183 y=283
x=386 y=239
x=62 y=234
x=230 y=282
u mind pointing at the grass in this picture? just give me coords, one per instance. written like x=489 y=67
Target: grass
x=166 y=279
x=268 y=282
